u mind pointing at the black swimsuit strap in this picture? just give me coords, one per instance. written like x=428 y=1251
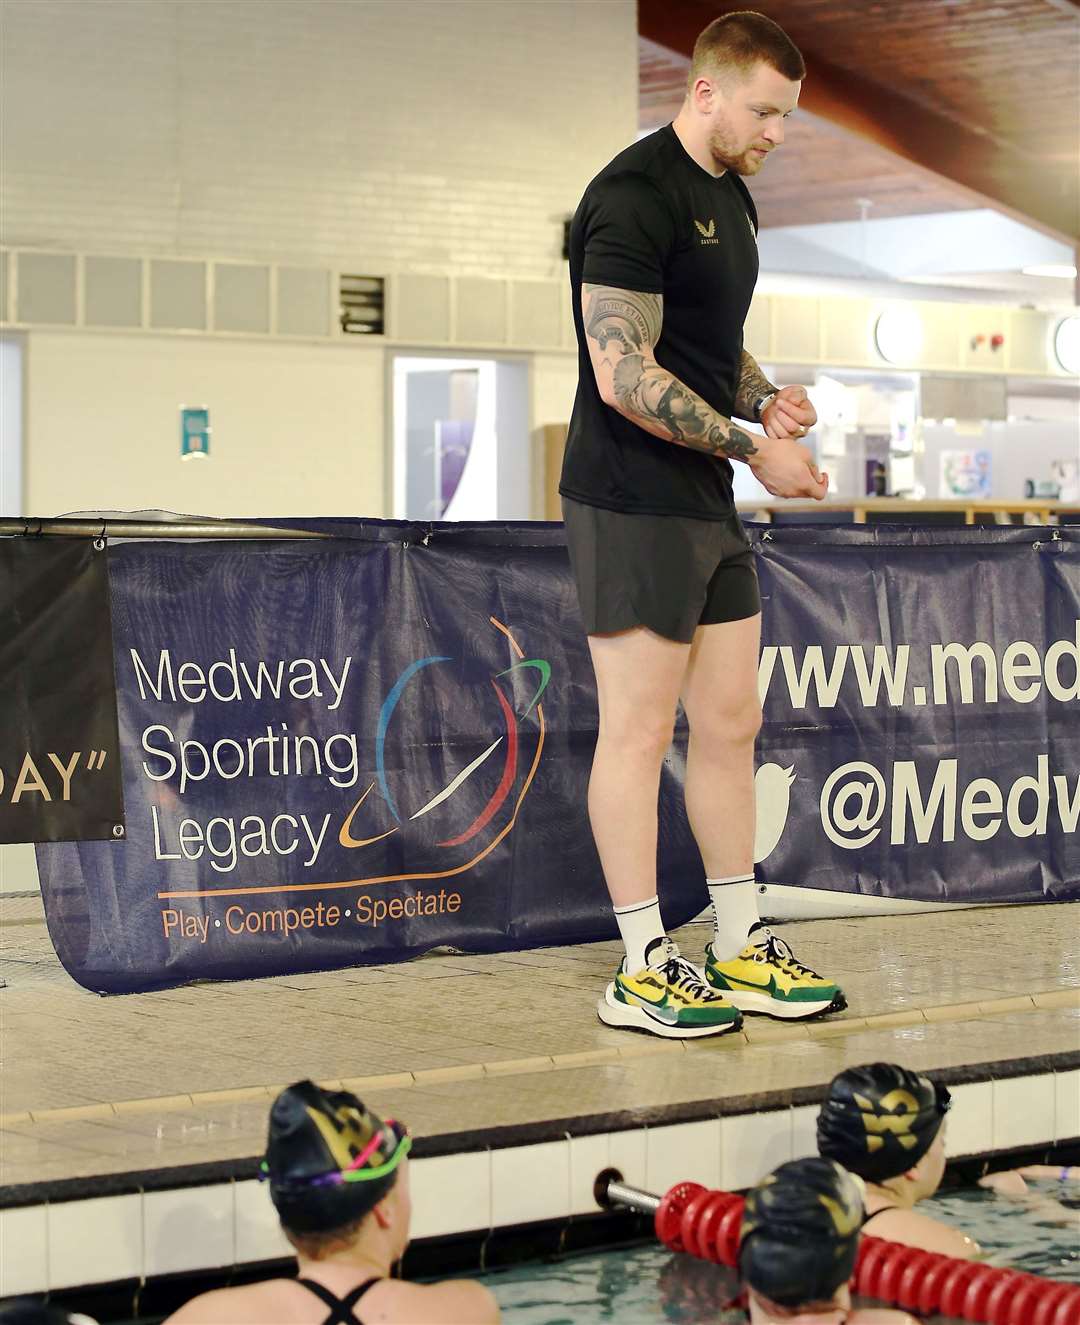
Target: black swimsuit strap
x=884 y=1210
x=341 y=1308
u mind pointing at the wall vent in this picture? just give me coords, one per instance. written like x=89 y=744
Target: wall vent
x=362 y=305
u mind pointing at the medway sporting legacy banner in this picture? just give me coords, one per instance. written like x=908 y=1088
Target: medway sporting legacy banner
x=356 y=749
x=921 y=691
x=59 y=750
x=343 y=751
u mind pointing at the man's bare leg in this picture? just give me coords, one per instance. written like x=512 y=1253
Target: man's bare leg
x=638 y=675
x=720 y=696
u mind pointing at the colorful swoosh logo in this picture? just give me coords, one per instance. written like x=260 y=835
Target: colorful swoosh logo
x=499 y=797
x=509 y=741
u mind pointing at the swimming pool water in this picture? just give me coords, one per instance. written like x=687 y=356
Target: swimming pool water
x=1040 y=1235
x=647 y=1285
x=634 y=1286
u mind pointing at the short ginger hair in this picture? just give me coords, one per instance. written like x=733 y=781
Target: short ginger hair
x=735 y=43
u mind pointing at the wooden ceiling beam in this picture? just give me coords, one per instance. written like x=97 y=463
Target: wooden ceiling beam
x=1009 y=178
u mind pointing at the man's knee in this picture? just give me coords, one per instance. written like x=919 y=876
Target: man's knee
x=725 y=725
x=636 y=735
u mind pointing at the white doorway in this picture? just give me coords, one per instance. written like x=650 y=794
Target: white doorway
x=460 y=438
x=11 y=427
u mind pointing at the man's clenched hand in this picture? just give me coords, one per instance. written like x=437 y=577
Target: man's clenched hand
x=786 y=469
x=789 y=413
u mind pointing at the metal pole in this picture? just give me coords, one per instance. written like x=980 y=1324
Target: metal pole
x=84 y=527
x=633 y=1198
x=610 y=1190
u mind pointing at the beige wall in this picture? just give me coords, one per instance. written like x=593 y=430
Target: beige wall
x=296 y=429
x=395 y=134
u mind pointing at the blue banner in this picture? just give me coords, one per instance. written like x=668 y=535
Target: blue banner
x=354 y=750
x=921 y=691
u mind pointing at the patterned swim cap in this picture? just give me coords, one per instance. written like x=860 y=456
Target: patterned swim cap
x=800 y=1232
x=329 y=1160
x=879 y=1120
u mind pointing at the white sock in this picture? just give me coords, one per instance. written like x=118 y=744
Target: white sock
x=640 y=925
x=735 y=912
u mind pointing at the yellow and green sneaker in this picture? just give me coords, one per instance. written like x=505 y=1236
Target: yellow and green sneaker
x=667 y=997
x=766 y=977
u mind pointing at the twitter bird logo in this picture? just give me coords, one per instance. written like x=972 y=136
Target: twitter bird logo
x=772 y=798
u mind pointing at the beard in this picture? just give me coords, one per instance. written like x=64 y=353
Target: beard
x=727 y=152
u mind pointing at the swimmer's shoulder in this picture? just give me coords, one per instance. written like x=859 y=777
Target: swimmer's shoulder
x=390 y=1302
x=914 y=1229
x=272 y=1302
x=452 y=1302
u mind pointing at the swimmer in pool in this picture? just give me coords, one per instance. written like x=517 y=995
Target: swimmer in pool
x=887 y=1125
x=339 y=1179
x=1013 y=1185
x=800 y=1235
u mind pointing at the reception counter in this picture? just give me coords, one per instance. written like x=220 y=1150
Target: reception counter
x=896 y=510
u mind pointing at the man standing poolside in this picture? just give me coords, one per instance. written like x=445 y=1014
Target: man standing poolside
x=663 y=263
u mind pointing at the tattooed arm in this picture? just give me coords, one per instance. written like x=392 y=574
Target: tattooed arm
x=789 y=414
x=752 y=385
x=622 y=328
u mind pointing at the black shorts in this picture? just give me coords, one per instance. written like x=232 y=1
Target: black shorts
x=670 y=573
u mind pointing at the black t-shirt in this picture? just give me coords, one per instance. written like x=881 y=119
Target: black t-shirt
x=655 y=221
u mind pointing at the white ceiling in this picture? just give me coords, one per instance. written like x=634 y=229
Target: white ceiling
x=980 y=249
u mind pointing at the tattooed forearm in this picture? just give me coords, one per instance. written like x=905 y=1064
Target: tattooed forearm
x=751 y=386
x=655 y=400
x=622 y=328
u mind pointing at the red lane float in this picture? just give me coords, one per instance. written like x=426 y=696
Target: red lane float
x=705 y=1224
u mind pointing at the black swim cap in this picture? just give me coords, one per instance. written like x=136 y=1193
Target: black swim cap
x=800 y=1232
x=879 y=1120
x=329 y=1160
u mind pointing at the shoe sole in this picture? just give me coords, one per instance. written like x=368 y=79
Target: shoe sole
x=764 y=1005
x=626 y=1017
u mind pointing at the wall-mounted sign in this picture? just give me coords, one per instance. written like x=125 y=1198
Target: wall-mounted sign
x=194 y=433
x=966 y=474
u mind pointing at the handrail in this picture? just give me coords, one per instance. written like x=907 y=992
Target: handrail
x=108 y=527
